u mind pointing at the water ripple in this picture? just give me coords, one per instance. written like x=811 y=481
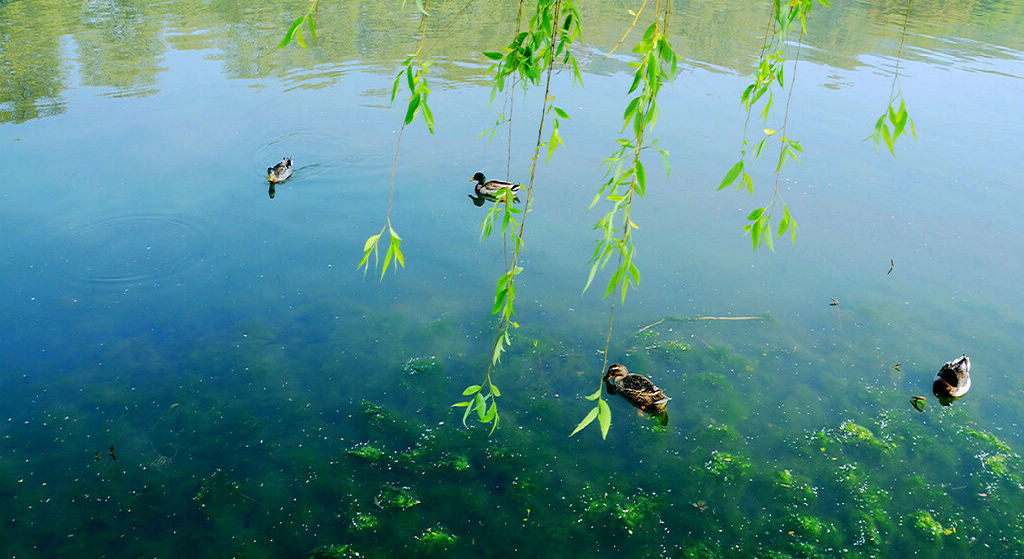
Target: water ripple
x=133 y=248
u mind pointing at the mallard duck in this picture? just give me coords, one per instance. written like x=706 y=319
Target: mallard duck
x=492 y=188
x=636 y=389
x=953 y=380
x=281 y=171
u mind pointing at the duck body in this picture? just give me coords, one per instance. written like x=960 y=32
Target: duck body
x=485 y=187
x=636 y=389
x=280 y=172
x=953 y=380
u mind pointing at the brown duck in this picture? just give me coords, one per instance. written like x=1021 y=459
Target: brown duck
x=953 y=380
x=637 y=390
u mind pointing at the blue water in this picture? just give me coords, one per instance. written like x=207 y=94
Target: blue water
x=186 y=362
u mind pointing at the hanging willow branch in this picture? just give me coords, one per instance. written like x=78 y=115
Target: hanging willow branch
x=628 y=181
x=414 y=70
x=530 y=55
x=770 y=72
x=893 y=122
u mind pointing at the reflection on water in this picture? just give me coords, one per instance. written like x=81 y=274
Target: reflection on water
x=120 y=46
x=190 y=369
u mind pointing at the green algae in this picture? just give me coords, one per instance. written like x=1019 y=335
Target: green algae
x=366 y=452
x=851 y=432
x=435 y=540
x=396 y=497
x=362 y=522
x=727 y=466
x=926 y=523
x=336 y=551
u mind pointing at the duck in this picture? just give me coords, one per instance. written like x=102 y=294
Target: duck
x=637 y=390
x=953 y=380
x=485 y=187
x=281 y=171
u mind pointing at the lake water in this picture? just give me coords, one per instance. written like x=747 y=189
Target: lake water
x=190 y=367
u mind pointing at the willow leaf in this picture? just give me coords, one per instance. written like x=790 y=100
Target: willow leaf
x=587 y=420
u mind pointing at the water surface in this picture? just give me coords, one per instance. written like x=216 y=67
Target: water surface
x=190 y=366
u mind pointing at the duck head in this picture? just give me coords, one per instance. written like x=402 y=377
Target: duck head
x=616 y=372
x=953 y=380
x=477 y=178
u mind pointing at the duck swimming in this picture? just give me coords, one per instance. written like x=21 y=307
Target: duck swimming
x=280 y=172
x=637 y=390
x=953 y=380
x=492 y=188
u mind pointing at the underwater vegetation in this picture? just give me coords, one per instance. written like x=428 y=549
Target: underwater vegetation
x=260 y=451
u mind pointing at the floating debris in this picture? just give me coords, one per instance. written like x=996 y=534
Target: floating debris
x=919 y=402
x=892 y=266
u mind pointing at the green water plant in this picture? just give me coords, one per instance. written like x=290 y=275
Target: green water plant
x=364 y=522
x=396 y=497
x=366 y=452
x=334 y=551
x=434 y=540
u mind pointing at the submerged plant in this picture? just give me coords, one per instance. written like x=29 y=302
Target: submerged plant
x=336 y=551
x=366 y=452
x=396 y=497
x=435 y=539
x=362 y=522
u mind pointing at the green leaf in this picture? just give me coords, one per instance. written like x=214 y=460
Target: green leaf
x=495 y=391
x=586 y=420
x=311 y=20
x=595 y=395
x=469 y=391
x=491 y=413
x=371 y=242
x=461 y=404
x=387 y=260
x=499 y=346
x=604 y=417
x=394 y=87
x=641 y=177
x=553 y=142
x=493 y=55
x=590 y=278
x=494 y=425
x=561 y=113
x=755 y=215
x=421 y=7
x=465 y=414
x=730 y=177
x=299 y=39
x=291 y=31
x=410 y=112
x=428 y=117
